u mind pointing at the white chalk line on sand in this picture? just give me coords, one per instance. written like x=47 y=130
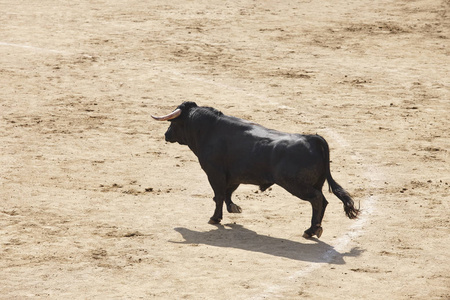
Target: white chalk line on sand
x=33 y=48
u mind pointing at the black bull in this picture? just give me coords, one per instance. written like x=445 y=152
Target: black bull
x=233 y=151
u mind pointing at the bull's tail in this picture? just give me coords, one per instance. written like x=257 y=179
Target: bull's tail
x=338 y=190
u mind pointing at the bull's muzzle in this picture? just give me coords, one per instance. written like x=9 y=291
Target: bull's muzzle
x=175 y=114
x=169 y=136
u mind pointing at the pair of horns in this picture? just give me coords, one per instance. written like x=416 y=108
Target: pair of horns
x=175 y=114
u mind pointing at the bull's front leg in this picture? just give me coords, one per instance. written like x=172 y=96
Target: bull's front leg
x=218 y=183
x=218 y=212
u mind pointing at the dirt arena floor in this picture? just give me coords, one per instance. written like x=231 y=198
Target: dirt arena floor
x=94 y=204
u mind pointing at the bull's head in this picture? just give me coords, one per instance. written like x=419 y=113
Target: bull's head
x=177 y=118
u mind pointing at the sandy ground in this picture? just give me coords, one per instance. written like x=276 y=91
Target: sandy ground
x=95 y=205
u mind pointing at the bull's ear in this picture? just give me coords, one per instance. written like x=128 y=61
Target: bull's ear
x=187 y=105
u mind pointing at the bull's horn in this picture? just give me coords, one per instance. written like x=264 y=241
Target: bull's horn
x=176 y=113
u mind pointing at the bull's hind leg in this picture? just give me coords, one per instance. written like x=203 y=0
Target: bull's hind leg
x=318 y=203
x=231 y=207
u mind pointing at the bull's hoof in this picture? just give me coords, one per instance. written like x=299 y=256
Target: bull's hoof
x=235 y=209
x=319 y=232
x=214 y=221
x=309 y=233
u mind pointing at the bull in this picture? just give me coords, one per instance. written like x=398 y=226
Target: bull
x=234 y=151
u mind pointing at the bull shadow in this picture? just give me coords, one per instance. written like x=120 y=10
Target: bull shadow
x=238 y=237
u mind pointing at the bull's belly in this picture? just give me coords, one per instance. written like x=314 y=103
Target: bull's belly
x=255 y=178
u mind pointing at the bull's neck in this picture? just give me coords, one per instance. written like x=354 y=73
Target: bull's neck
x=197 y=131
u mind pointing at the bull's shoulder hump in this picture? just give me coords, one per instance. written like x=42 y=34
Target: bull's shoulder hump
x=234 y=123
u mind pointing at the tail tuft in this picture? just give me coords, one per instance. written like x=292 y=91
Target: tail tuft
x=351 y=212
